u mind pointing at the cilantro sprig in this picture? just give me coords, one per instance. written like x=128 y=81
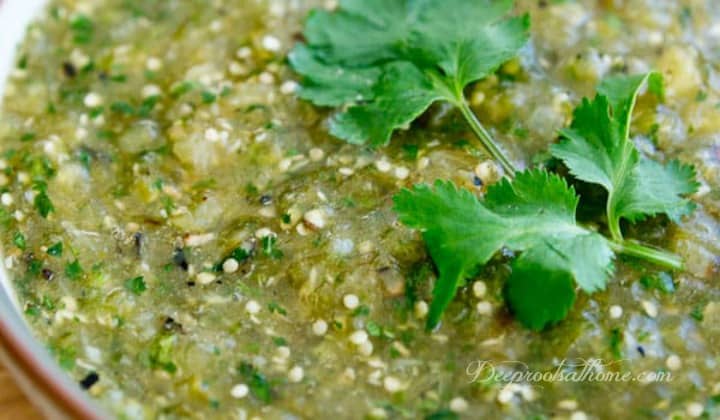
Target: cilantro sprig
x=384 y=62
x=597 y=149
x=534 y=214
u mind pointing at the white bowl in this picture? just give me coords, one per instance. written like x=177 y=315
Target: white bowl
x=28 y=361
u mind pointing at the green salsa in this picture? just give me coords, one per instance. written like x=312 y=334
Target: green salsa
x=189 y=241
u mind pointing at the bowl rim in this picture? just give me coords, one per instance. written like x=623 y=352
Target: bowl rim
x=38 y=375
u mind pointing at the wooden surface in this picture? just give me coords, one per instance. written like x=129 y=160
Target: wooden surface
x=13 y=404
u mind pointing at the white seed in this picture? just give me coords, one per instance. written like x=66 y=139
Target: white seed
x=479 y=289
x=349 y=374
x=302 y=230
x=264 y=233
x=484 y=308
x=93 y=100
x=271 y=43
x=655 y=38
x=578 y=415
x=320 y=327
x=616 y=311
x=316 y=154
x=650 y=309
x=79 y=59
x=487 y=171
x=359 y=337
x=392 y=384
x=343 y=246
x=205 y=278
x=569 y=405
x=283 y=352
x=402 y=172
x=477 y=98
x=266 y=78
x=30 y=195
x=243 y=53
x=344 y=171
x=351 y=301
x=198 y=239
x=296 y=374
x=216 y=26
x=239 y=391
x=278 y=9
x=673 y=362
x=316 y=218
x=212 y=135
x=366 y=348
x=695 y=409
x=377 y=413
x=285 y=164
x=383 y=165
x=421 y=309
x=252 y=307
x=505 y=395
x=237 y=69
x=231 y=265
x=153 y=64
x=527 y=393
x=7 y=199
x=458 y=405
x=288 y=87
x=23 y=178
x=148 y=91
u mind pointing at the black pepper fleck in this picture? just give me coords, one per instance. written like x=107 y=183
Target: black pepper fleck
x=266 y=199
x=69 y=69
x=91 y=379
x=171 y=325
x=180 y=259
x=138 y=241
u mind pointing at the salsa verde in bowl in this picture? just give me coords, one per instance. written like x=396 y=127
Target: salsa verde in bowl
x=189 y=237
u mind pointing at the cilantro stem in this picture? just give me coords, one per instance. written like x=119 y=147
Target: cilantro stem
x=613 y=221
x=486 y=139
x=655 y=256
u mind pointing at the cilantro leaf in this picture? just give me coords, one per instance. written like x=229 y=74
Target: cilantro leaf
x=42 y=201
x=534 y=214
x=56 y=250
x=385 y=62
x=539 y=293
x=136 y=285
x=74 y=270
x=401 y=95
x=597 y=149
x=332 y=85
